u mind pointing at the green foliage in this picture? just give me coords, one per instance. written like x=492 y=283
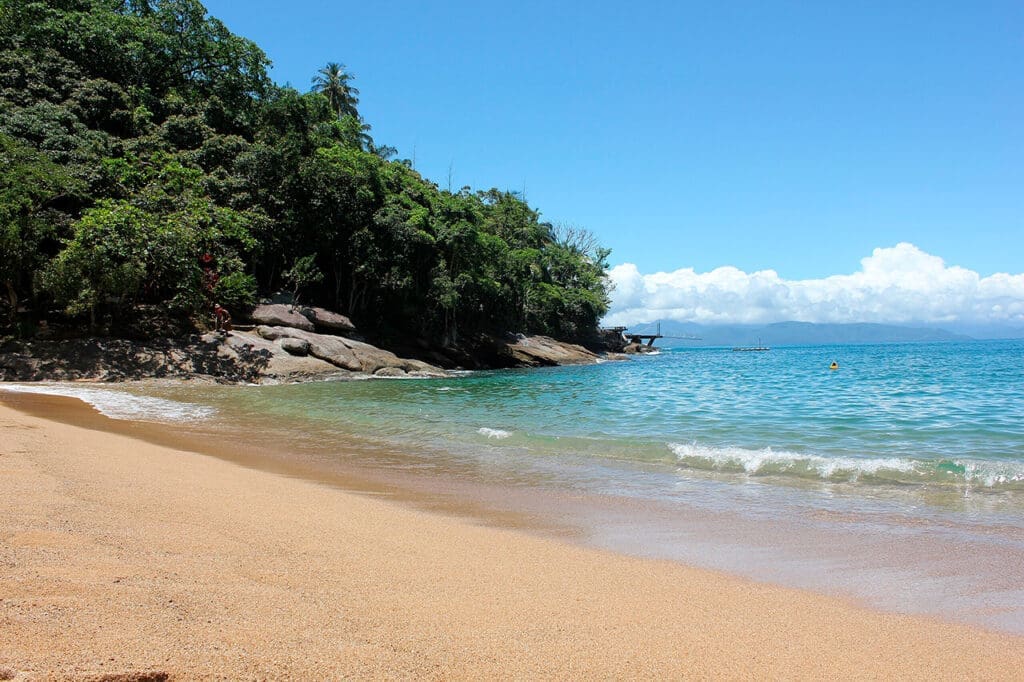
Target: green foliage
x=236 y=290
x=30 y=187
x=108 y=258
x=147 y=158
x=303 y=273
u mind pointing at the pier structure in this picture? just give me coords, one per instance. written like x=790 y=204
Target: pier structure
x=623 y=335
x=629 y=337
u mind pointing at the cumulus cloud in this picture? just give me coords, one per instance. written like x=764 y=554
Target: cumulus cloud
x=901 y=284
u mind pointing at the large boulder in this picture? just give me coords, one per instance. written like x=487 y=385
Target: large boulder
x=280 y=315
x=349 y=354
x=281 y=366
x=329 y=348
x=329 y=320
x=298 y=347
x=536 y=351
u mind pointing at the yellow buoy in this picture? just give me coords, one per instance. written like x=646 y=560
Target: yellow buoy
x=834 y=365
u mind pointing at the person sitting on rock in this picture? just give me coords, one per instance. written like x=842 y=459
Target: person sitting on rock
x=223 y=318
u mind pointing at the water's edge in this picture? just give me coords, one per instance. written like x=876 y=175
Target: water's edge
x=818 y=551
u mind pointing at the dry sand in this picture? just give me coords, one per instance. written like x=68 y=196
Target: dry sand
x=119 y=557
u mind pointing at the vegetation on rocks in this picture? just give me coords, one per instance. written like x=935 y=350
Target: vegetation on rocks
x=146 y=159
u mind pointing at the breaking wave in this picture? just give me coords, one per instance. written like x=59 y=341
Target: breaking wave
x=994 y=474
x=493 y=433
x=118 y=404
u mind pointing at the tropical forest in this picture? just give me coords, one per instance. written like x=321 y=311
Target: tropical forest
x=150 y=166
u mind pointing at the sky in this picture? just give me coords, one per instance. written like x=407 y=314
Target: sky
x=716 y=148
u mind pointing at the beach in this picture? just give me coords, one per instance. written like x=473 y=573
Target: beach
x=132 y=560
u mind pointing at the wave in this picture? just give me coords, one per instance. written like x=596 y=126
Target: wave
x=493 y=433
x=994 y=474
x=118 y=404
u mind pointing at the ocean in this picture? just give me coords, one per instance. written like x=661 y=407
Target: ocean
x=896 y=480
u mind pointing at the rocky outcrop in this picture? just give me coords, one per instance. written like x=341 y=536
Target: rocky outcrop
x=635 y=348
x=101 y=359
x=350 y=354
x=280 y=366
x=307 y=318
x=278 y=314
x=270 y=354
x=537 y=351
x=331 y=349
x=324 y=319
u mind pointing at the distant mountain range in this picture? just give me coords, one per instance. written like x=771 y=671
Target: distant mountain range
x=795 y=333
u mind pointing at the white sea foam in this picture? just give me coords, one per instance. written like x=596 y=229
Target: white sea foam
x=993 y=474
x=766 y=461
x=493 y=433
x=119 y=404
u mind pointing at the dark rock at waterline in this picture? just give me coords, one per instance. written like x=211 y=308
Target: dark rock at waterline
x=271 y=354
x=390 y=372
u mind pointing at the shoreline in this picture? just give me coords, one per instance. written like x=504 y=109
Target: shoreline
x=943 y=567
x=127 y=556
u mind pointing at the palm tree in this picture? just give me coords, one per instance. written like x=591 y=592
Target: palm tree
x=334 y=82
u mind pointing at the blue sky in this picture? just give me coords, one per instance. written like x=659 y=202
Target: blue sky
x=794 y=137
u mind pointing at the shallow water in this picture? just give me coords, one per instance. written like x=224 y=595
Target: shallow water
x=897 y=479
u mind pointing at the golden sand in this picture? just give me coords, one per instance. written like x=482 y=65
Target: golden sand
x=132 y=560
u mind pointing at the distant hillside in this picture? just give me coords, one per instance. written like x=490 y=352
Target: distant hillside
x=793 y=333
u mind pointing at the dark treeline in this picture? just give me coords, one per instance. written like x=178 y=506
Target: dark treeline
x=147 y=161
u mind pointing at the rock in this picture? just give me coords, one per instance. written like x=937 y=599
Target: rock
x=390 y=372
x=273 y=333
x=329 y=348
x=277 y=314
x=283 y=366
x=536 y=351
x=639 y=349
x=434 y=373
x=355 y=356
x=298 y=347
x=326 y=319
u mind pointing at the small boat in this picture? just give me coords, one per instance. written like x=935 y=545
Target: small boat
x=747 y=349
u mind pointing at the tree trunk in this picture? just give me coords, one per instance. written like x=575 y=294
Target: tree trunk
x=12 y=300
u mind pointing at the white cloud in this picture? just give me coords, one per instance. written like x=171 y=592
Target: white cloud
x=901 y=284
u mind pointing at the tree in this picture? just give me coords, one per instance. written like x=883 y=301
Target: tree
x=303 y=273
x=106 y=259
x=335 y=83
x=30 y=185
x=145 y=158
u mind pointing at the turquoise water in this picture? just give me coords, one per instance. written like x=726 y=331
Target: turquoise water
x=897 y=479
x=941 y=416
x=931 y=418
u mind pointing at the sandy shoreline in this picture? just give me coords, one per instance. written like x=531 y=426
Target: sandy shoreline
x=123 y=556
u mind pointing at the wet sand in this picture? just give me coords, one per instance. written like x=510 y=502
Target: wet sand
x=121 y=556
